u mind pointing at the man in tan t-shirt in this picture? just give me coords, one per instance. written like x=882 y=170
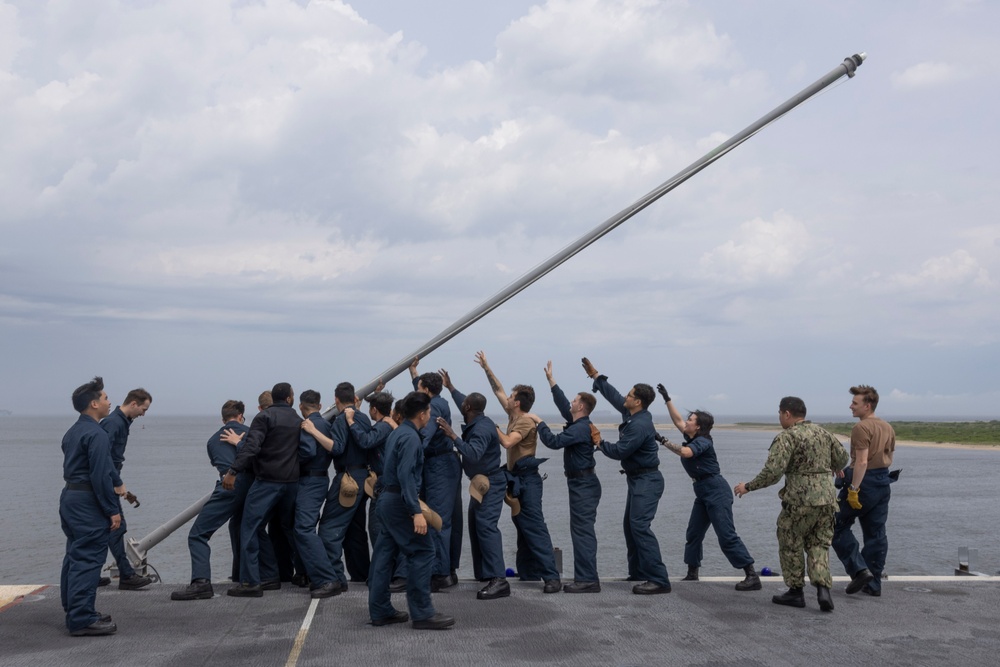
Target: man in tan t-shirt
x=865 y=495
x=535 y=556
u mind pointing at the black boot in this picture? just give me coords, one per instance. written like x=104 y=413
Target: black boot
x=692 y=574
x=751 y=582
x=825 y=600
x=793 y=597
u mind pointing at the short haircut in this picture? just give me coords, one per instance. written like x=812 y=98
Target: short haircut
x=589 y=401
x=645 y=394
x=281 y=392
x=85 y=394
x=525 y=388
x=525 y=399
x=705 y=421
x=432 y=382
x=381 y=401
x=310 y=397
x=265 y=400
x=414 y=403
x=137 y=396
x=232 y=409
x=867 y=394
x=397 y=410
x=476 y=401
x=794 y=405
x=344 y=393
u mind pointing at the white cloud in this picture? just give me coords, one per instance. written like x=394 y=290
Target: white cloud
x=956 y=269
x=925 y=75
x=761 y=250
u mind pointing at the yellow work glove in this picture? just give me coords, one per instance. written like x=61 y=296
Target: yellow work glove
x=852 y=498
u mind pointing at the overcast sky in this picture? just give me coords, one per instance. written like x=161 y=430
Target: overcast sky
x=206 y=198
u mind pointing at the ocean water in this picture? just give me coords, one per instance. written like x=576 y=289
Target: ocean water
x=945 y=499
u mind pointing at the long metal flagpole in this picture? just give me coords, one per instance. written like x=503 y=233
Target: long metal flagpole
x=137 y=549
x=847 y=68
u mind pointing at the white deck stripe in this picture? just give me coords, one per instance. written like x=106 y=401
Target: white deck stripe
x=300 y=639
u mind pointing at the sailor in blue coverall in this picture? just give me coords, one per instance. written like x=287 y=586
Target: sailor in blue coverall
x=315 y=445
x=480 y=450
x=404 y=527
x=351 y=458
x=442 y=477
x=637 y=450
x=713 y=498
x=117 y=427
x=88 y=511
x=221 y=507
x=374 y=441
x=581 y=480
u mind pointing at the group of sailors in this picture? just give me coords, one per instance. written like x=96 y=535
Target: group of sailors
x=308 y=478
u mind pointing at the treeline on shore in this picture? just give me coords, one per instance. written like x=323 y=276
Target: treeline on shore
x=963 y=433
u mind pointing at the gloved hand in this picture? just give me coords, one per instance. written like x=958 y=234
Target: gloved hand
x=852 y=498
x=663 y=392
x=588 y=368
x=595 y=435
x=660 y=439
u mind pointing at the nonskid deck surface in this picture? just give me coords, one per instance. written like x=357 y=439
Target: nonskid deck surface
x=917 y=621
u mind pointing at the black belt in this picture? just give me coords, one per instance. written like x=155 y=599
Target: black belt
x=313 y=473
x=702 y=478
x=70 y=486
x=340 y=471
x=638 y=471
x=392 y=488
x=577 y=474
x=430 y=455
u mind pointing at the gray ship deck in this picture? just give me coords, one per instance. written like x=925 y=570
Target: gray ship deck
x=918 y=621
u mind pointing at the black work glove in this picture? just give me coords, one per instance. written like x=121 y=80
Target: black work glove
x=663 y=392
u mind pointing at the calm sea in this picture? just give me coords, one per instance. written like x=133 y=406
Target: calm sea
x=945 y=499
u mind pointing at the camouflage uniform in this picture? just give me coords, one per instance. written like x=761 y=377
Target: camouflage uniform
x=806 y=455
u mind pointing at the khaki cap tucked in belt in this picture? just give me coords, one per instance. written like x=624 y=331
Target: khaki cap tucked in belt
x=348 y=490
x=478 y=487
x=370 y=483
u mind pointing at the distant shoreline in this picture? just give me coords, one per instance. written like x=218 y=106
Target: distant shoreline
x=776 y=427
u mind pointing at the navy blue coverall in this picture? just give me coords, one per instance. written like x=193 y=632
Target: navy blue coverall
x=314 y=483
x=638 y=452
x=85 y=508
x=349 y=456
x=442 y=476
x=713 y=506
x=272 y=448
x=375 y=441
x=582 y=482
x=874 y=495
x=398 y=503
x=116 y=425
x=479 y=446
x=221 y=507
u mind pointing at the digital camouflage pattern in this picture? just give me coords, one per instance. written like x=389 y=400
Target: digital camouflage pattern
x=806 y=455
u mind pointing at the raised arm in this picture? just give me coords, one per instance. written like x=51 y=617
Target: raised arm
x=495 y=385
x=675 y=415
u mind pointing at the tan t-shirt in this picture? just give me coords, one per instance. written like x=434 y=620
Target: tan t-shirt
x=529 y=439
x=878 y=438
